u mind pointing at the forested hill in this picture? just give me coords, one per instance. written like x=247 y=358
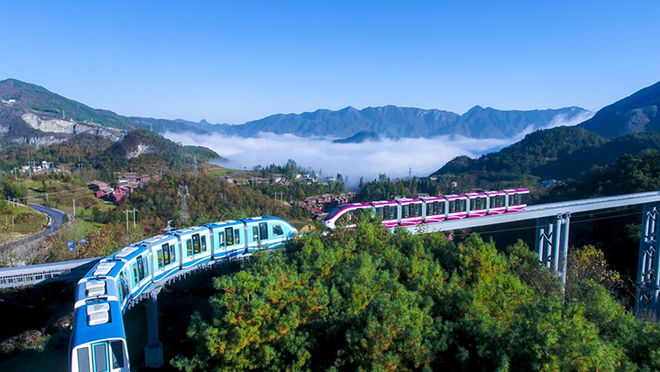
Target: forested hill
x=369 y=299
x=139 y=150
x=634 y=114
x=629 y=126
x=525 y=157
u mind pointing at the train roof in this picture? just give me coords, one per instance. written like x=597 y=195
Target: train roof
x=454 y=197
x=494 y=193
x=223 y=223
x=128 y=253
x=408 y=200
x=433 y=198
x=155 y=240
x=262 y=219
x=89 y=288
x=521 y=190
x=105 y=268
x=384 y=202
x=188 y=230
x=83 y=332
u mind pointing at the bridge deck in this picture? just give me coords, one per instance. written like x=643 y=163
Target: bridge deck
x=30 y=275
x=543 y=210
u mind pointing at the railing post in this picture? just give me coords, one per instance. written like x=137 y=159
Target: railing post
x=564 y=251
x=648 y=265
x=153 y=350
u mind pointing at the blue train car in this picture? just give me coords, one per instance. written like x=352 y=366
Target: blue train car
x=98 y=342
x=267 y=232
x=227 y=238
x=194 y=245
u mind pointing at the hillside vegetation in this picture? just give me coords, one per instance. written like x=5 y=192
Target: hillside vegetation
x=639 y=112
x=371 y=300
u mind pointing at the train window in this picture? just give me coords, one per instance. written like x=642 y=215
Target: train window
x=405 y=211
x=255 y=233
x=83 y=359
x=229 y=234
x=117 y=354
x=136 y=278
x=123 y=287
x=263 y=230
x=237 y=236
x=379 y=212
x=100 y=357
x=497 y=201
x=387 y=214
x=203 y=243
x=415 y=210
x=166 y=254
x=277 y=230
x=477 y=203
x=457 y=205
x=189 y=247
x=172 y=253
x=196 y=243
x=159 y=258
x=221 y=239
x=140 y=269
x=429 y=209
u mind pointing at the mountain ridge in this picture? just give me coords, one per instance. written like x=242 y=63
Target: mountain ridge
x=60 y=117
x=638 y=112
x=569 y=152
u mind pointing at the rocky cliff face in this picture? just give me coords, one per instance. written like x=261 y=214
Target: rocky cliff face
x=70 y=127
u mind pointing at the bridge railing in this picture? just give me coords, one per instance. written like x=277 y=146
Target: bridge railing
x=12 y=277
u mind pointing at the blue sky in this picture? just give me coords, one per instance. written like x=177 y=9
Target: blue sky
x=242 y=60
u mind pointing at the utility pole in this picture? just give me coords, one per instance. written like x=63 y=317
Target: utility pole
x=134 y=212
x=126 y=210
x=74 y=207
x=184 y=194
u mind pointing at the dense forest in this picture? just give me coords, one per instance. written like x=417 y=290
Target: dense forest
x=370 y=299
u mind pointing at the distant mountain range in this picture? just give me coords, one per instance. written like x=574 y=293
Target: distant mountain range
x=407 y=122
x=31 y=113
x=629 y=126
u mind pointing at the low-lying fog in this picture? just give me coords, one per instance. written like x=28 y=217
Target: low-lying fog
x=354 y=160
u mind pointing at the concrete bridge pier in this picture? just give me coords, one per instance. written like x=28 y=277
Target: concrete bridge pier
x=552 y=244
x=153 y=350
x=647 y=301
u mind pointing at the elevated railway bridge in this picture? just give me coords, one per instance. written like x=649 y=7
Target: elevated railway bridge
x=551 y=244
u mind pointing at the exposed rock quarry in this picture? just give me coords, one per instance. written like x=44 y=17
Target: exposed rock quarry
x=70 y=127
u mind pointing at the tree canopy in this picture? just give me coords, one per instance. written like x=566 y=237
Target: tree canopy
x=370 y=299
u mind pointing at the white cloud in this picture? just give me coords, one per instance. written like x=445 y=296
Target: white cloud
x=368 y=159
x=392 y=157
x=560 y=120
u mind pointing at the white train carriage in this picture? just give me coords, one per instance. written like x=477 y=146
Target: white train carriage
x=194 y=245
x=228 y=238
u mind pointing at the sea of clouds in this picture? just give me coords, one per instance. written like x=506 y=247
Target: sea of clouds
x=395 y=158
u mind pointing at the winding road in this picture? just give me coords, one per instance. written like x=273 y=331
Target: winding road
x=56 y=216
